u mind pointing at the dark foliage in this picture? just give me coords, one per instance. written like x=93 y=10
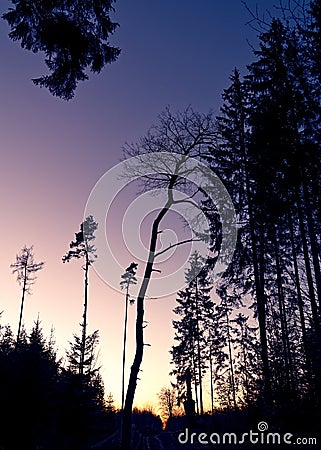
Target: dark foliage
x=51 y=407
x=73 y=34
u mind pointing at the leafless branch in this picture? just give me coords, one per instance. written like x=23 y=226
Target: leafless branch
x=186 y=241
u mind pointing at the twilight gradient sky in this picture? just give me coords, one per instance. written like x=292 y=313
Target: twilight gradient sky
x=174 y=52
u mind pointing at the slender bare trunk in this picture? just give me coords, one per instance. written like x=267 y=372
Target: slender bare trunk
x=199 y=351
x=211 y=380
x=124 y=350
x=24 y=288
x=84 y=324
x=230 y=356
x=127 y=412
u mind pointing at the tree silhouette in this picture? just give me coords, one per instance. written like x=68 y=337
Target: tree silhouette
x=82 y=359
x=128 y=278
x=185 y=135
x=247 y=368
x=167 y=402
x=28 y=389
x=55 y=406
x=73 y=35
x=83 y=247
x=194 y=307
x=268 y=156
x=25 y=267
x=283 y=148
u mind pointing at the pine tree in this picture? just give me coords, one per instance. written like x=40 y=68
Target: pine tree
x=128 y=278
x=225 y=312
x=281 y=150
x=266 y=153
x=81 y=359
x=194 y=306
x=248 y=366
x=83 y=402
x=7 y=342
x=83 y=247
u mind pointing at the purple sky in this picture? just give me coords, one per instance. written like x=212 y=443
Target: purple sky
x=174 y=52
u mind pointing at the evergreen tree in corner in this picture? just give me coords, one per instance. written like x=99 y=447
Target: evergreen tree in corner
x=74 y=35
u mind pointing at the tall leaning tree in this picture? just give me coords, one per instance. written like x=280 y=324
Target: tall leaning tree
x=25 y=267
x=162 y=160
x=83 y=247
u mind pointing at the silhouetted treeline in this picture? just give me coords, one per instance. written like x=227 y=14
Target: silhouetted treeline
x=46 y=403
x=259 y=340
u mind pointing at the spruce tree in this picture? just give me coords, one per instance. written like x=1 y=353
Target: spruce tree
x=194 y=306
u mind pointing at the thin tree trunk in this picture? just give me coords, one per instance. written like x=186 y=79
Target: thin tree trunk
x=127 y=413
x=22 y=303
x=283 y=321
x=314 y=308
x=300 y=301
x=258 y=277
x=260 y=298
x=199 y=352
x=230 y=356
x=246 y=375
x=195 y=379
x=84 y=325
x=313 y=241
x=211 y=380
x=306 y=256
x=124 y=350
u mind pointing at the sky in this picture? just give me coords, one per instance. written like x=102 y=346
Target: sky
x=174 y=53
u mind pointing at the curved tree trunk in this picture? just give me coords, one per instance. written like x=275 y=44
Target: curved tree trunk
x=127 y=413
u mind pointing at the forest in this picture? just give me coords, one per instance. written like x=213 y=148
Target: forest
x=252 y=337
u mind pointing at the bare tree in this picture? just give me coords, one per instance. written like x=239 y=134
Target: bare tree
x=168 y=403
x=181 y=138
x=25 y=267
